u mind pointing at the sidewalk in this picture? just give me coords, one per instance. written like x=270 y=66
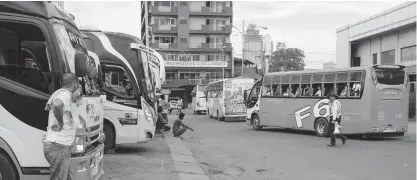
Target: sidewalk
x=185 y=164
x=143 y=161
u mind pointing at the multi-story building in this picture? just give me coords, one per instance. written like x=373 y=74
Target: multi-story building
x=257 y=48
x=194 y=39
x=388 y=37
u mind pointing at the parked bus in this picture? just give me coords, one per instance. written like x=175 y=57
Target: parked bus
x=38 y=44
x=199 y=99
x=374 y=100
x=225 y=98
x=128 y=79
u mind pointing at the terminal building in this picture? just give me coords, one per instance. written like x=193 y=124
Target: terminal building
x=194 y=39
x=385 y=38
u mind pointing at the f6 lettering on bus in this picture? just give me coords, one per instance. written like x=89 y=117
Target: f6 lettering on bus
x=303 y=113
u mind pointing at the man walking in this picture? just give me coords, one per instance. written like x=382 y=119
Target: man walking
x=61 y=129
x=335 y=119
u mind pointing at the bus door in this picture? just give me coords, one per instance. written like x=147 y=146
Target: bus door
x=123 y=101
x=252 y=99
x=392 y=96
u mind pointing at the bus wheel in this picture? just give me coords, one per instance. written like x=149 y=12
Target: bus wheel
x=321 y=127
x=256 y=123
x=109 y=137
x=7 y=170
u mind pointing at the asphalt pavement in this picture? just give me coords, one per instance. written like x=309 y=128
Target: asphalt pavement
x=231 y=150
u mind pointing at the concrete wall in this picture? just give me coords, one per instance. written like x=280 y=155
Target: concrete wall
x=392 y=40
x=196 y=22
x=391 y=29
x=342 y=49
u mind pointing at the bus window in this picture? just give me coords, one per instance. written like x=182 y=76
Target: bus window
x=295 y=85
x=355 y=85
x=33 y=70
x=328 y=83
x=117 y=82
x=305 y=85
x=266 y=90
x=342 y=84
x=317 y=85
x=276 y=90
x=285 y=86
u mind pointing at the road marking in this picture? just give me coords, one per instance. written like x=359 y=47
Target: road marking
x=185 y=164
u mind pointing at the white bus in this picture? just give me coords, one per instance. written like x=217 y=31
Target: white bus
x=128 y=78
x=374 y=100
x=199 y=99
x=225 y=98
x=38 y=44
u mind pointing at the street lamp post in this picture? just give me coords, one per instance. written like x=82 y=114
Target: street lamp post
x=222 y=63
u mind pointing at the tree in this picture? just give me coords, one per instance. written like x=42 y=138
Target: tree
x=286 y=59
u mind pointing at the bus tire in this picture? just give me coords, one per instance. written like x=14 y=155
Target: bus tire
x=109 y=137
x=320 y=127
x=256 y=123
x=7 y=169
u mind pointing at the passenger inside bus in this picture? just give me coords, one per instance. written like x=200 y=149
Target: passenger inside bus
x=318 y=92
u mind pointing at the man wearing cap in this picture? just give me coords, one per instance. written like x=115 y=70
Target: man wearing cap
x=335 y=118
x=61 y=129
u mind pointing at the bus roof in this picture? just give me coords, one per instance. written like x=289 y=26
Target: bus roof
x=318 y=71
x=43 y=9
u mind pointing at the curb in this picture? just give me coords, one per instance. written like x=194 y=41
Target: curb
x=185 y=164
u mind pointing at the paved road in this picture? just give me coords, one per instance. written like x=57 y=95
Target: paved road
x=231 y=150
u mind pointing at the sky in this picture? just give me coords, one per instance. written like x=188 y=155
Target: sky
x=308 y=25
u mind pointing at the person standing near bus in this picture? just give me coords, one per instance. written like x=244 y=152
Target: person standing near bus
x=335 y=118
x=164 y=104
x=179 y=106
x=61 y=129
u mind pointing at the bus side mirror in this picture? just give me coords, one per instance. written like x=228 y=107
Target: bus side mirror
x=245 y=95
x=80 y=61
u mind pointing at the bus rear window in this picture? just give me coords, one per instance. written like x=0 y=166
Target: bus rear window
x=390 y=77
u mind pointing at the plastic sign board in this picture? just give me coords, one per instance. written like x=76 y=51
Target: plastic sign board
x=195 y=64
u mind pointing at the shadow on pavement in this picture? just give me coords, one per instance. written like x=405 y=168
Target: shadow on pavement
x=312 y=133
x=156 y=145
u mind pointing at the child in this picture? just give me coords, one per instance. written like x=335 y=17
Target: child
x=177 y=129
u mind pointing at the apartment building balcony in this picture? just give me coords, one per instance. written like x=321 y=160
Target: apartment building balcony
x=164 y=29
x=213 y=29
x=210 y=47
x=163 y=10
x=157 y=45
x=207 y=11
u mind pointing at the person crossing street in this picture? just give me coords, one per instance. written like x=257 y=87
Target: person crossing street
x=335 y=118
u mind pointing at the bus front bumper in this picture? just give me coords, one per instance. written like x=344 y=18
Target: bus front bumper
x=90 y=166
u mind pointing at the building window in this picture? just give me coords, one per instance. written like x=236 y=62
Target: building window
x=408 y=54
x=210 y=57
x=356 y=61
x=184 y=39
x=161 y=39
x=196 y=57
x=374 y=59
x=388 y=57
x=165 y=21
x=183 y=3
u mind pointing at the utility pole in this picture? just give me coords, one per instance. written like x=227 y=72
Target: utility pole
x=243 y=44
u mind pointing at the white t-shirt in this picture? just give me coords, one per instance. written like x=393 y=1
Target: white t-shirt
x=67 y=135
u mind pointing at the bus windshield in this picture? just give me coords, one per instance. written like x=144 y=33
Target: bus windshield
x=390 y=77
x=70 y=43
